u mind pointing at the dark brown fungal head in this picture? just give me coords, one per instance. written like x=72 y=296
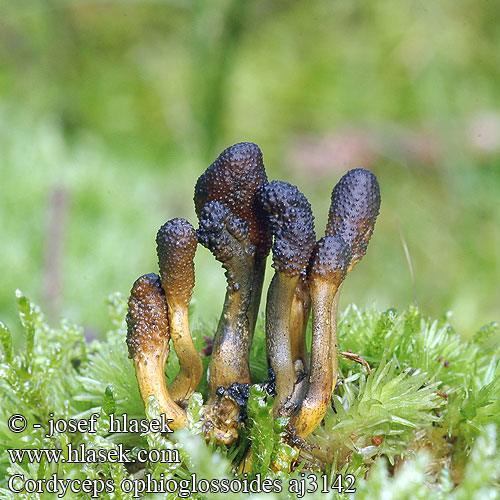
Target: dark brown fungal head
x=354 y=209
x=330 y=259
x=176 y=245
x=217 y=225
x=147 y=321
x=292 y=224
x=233 y=179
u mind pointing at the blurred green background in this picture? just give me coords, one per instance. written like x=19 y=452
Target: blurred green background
x=110 y=110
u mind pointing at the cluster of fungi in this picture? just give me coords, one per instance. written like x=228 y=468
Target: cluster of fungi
x=241 y=216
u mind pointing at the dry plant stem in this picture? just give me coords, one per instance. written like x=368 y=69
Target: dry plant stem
x=279 y=349
x=322 y=378
x=356 y=357
x=176 y=246
x=245 y=466
x=221 y=419
x=148 y=344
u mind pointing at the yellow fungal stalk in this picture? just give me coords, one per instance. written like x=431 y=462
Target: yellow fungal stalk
x=176 y=246
x=147 y=340
x=292 y=224
x=327 y=270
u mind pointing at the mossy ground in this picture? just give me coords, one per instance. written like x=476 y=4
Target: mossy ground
x=422 y=426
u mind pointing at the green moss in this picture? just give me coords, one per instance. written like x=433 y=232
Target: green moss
x=432 y=402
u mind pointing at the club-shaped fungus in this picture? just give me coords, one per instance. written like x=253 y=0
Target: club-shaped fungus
x=226 y=236
x=292 y=225
x=353 y=211
x=148 y=344
x=176 y=243
x=327 y=269
x=240 y=214
x=234 y=179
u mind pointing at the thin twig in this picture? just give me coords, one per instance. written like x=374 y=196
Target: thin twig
x=356 y=357
x=408 y=259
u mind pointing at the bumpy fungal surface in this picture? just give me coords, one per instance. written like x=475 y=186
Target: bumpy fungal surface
x=148 y=344
x=176 y=246
x=227 y=237
x=240 y=215
x=233 y=179
x=330 y=259
x=218 y=226
x=215 y=219
x=292 y=224
x=354 y=209
x=147 y=320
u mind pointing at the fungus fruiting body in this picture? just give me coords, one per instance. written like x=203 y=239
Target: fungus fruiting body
x=240 y=215
x=234 y=227
x=176 y=246
x=234 y=179
x=355 y=204
x=299 y=316
x=226 y=236
x=327 y=270
x=292 y=225
x=148 y=344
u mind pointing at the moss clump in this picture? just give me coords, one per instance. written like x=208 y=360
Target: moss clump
x=432 y=404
